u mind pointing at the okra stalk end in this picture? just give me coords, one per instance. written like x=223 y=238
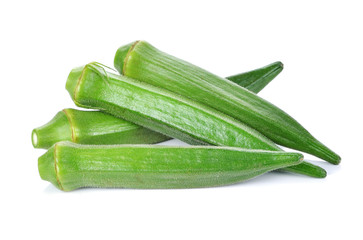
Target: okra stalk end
x=58 y=129
x=73 y=80
x=48 y=168
x=121 y=55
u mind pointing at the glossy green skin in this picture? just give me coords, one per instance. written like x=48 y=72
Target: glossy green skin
x=93 y=127
x=257 y=79
x=160 y=110
x=142 y=61
x=70 y=166
x=167 y=113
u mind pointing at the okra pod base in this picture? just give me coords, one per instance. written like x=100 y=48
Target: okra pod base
x=56 y=130
x=92 y=127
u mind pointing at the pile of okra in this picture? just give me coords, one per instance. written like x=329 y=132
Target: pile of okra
x=233 y=134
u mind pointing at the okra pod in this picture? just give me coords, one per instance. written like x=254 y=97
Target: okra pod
x=141 y=61
x=93 y=127
x=70 y=166
x=162 y=111
x=98 y=128
x=93 y=87
x=257 y=79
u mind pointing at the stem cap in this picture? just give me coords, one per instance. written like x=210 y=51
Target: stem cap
x=121 y=55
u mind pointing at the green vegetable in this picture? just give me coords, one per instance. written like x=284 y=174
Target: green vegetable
x=257 y=79
x=162 y=111
x=92 y=127
x=141 y=61
x=70 y=166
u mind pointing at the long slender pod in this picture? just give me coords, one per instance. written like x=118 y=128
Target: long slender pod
x=70 y=166
x=94 y=127
x=99 y=128
x=141 y=61
x=92 y=86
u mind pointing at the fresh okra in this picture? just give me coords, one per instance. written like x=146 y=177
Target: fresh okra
x=257 y=79
x=94 y=127
x=162 y=111
x=141 y=61
x=70 y=166
x=93 y=87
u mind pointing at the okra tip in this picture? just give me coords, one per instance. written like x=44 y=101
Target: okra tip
x=320 y=150
x=307 y=169
x=122 y=55
x=279 y=64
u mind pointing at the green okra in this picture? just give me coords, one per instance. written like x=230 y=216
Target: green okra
x=93 y=127
x=93 y=87
x=70 y=166
x=141 y=61
x=99 y=128
x=257 y=79
x=162 y=111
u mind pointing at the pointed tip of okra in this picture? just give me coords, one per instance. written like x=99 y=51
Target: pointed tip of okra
x=57 y=129
x=300 y=158
x=308 y=169
x=275 y=68
x=320 y=150
x=320 y=173
x=292 y=159
x=121 y=55
x=336 y=159
x=47 y=167
x=279 y=64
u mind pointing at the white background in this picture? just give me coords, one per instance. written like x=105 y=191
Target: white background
x=320 y=43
